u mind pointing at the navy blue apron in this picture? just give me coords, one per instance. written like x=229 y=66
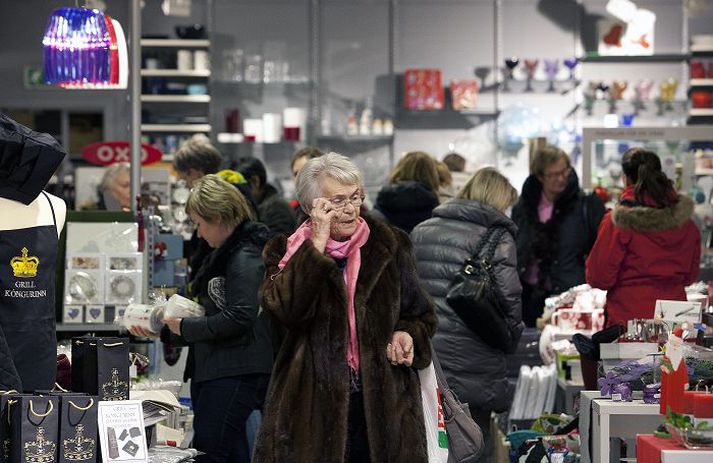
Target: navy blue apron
x=27 y=305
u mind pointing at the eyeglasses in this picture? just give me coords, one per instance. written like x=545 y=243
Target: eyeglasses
x=562 y=173
x=340 y=202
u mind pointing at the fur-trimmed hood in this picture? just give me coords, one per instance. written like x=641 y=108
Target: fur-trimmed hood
x=650 y=219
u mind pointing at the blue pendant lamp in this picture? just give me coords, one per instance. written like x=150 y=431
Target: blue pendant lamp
x=77 y=45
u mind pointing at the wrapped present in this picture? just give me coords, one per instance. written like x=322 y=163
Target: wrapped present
x=464 y=94
x=423 y=89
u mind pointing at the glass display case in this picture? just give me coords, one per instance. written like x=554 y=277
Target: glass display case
x=686 y=157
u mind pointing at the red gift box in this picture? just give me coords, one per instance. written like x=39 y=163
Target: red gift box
x=423 y=89
x=701 y=99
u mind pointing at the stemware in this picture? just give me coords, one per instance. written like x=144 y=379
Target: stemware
x=510 y=65
x=571 y=64
x=552 y=67
x=530 y=67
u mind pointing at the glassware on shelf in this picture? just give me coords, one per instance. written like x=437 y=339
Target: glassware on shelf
x=642 y=92
x=618 y=88
x=510 y=65
x=530 y=67
x=667 y=92
x=253 y=69
x=552 y=67
x=482 y=73
x=571 y=64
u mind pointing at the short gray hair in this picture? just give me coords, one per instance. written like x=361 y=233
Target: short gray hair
x=332 y=165
x=111 y=172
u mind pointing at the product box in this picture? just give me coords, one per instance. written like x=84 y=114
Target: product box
x=464 y=94
x=94 y=313
x=72 y=313
x=423 y=89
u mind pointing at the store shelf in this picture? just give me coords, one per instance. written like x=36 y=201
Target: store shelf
x=176 y=43
x=356 y=138
x=174 y=73
x=703 y=49
x=175 y=98
x=660 y=58
x=704 y=172
x=707 y=112
x=86 y=327
x=197 y=128
x=701 y=82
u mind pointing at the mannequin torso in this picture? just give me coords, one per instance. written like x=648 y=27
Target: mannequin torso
x=14 y=215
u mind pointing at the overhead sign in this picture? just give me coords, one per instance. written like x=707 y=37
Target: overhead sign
x=109 y=152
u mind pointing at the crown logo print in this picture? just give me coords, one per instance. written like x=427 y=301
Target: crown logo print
x=79 y=447
x=115 y=388
x=40 y=450
x=24 y=266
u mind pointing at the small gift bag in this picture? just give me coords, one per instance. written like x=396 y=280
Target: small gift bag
x=6 y=399
x=77 y=429
x=100 y=367
x=34 y=426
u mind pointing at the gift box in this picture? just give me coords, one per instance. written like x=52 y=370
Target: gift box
x=423 y=89
x=34 y=427
x=464 y=94
x=100 y=367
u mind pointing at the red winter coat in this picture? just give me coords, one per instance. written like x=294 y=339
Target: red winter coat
x=643 y=254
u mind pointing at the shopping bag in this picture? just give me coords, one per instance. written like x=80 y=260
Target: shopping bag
x=5 y=398
x=100 y=367
x=436 y=436
x=34 y=426
x=77 y=428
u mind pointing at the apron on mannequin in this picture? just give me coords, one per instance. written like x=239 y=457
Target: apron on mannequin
x=27 y=302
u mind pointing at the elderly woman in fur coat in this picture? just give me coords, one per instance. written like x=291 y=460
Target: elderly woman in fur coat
x=648 y=247
x=345 y=386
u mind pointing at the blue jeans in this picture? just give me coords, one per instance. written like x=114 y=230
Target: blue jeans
x=221 y=407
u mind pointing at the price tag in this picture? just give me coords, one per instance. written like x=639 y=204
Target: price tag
x=133 y=371
x=674 y=351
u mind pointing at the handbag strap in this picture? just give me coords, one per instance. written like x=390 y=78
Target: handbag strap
x=440 y=376
x=490 y=238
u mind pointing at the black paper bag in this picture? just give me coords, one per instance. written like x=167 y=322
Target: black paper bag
x=6 y=399
x=101 y=368
x=77 y=429
x=34 y=427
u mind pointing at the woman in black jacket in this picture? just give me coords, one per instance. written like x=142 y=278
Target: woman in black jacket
x=557 y=226
x=411 y=194
x=230 y=356
x=474 y=369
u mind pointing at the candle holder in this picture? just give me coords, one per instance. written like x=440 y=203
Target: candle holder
x=530 y=67
x=482 y=73
x=552 y=67
x=571 y=64
x=510 y=65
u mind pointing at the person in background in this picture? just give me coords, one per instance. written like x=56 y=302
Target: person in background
x=648 y=247
x=445 y=182
x=195 y=158
x=115 y=188
x=457 y=165
x=273 y=210
x=344 y=386
x=474 y=369
x=412 y=192
x=230 y=350
x=557 y=226
x=299 y=159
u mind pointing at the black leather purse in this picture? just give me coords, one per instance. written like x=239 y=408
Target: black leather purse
x=474 y=297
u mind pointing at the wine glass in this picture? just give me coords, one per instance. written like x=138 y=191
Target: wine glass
x=510 y=65
x=530 y=67
x=552 y=67
x=482 y=73
x=571 y=64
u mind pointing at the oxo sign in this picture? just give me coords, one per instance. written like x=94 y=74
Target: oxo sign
x=110 y=152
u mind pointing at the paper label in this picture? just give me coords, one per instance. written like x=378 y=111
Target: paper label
x=616 y=397
x=674 y=351
x=133 y=373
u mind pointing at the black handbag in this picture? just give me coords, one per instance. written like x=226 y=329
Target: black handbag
x=474 y=297
x=465 y=438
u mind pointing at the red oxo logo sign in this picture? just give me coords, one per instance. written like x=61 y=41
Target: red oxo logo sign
x=110 y=152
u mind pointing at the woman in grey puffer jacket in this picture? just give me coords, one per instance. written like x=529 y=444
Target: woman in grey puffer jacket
x=475 y=370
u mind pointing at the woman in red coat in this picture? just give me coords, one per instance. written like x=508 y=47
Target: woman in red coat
x=648 y=247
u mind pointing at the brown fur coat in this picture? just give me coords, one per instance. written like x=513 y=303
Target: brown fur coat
x=305 y=416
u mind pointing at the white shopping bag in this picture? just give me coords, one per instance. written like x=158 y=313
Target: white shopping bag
x=436 y=436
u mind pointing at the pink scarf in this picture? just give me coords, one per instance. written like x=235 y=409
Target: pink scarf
x=349 y=249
